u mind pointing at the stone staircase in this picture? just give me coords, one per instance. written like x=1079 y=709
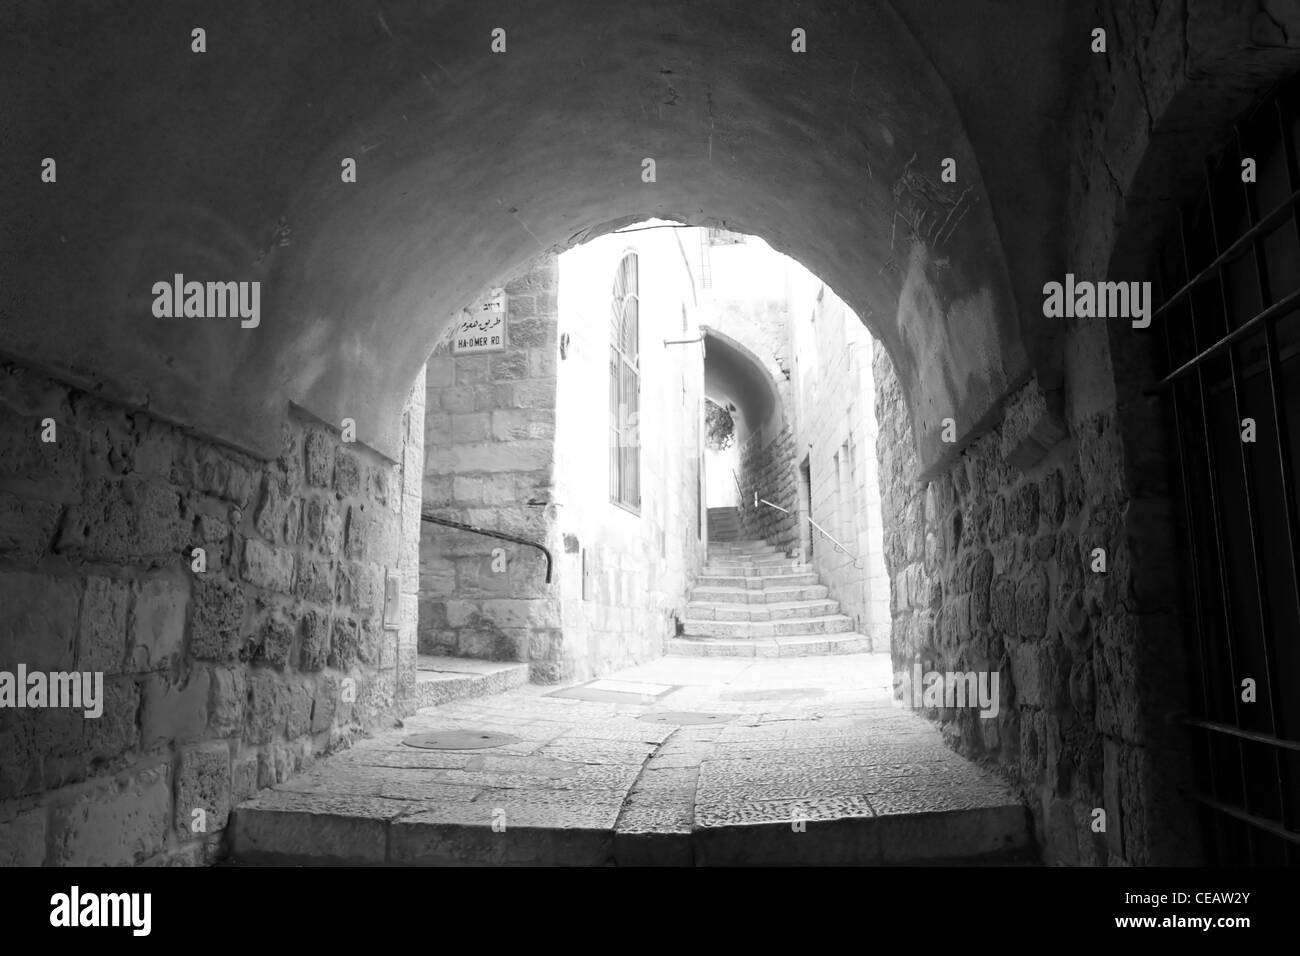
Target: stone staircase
x=724 y=524
x=754 y=601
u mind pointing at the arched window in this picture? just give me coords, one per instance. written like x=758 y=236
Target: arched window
x=625 y=388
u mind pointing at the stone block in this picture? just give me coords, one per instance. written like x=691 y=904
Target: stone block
x=227 y=700
x=358 y=530
x=521 y=306
x=118 y=822
x=117 y=729
x=203 y=783
x=1040 y=675
x=1032 y=600
x=315 y=580
x=216 y=616
x=157 y=624
x=269 y=517
x=132 y=521
x=275 y=644
x=345 y=642
x=298 y=707
x=27 y=527
x=313 y=521
x=361 y=586
x=24 y=456
x=264 y=719
x=466 y=488
x=293 y=522
x=214 y=471
x=1023 y=510
x=315 y=651
x=320 y=459
x=267 y=567
x=471 y=427
x=175 y=709
x=509 y=366
x=39 y=624
x=1002 y=605
x=102 y=637
x=473 y=369
x=526 y=394
x=347 y=473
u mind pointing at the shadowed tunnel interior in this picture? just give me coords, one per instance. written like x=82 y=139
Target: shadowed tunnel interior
x=734 y=375
x=525 y=152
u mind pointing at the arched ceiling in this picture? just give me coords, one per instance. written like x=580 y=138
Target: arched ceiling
x=225 y=166
x=733 y=374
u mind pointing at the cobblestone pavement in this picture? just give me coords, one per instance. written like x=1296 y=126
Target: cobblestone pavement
x=679 y=761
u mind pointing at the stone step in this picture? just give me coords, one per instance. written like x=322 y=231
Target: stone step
x=789 y=565
x=775 y=557
x=440 y=680
x=795 y=646
x=718 y=611
x=777 y=595
x=996 y=835
x=745 y=546
x=757 y=630
x=792 y=579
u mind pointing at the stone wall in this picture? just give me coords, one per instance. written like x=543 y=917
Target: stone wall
x=835 y=415
x=1096 y=661
x=489 y=433
x=994 y=569
x=1149 y=113
x=769 y=470
x=217 y=682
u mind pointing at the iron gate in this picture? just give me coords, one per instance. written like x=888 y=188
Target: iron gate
x=1228 y=288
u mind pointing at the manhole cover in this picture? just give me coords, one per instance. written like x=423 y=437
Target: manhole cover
x=459 y=740
x=684 y=718
x=776 y=693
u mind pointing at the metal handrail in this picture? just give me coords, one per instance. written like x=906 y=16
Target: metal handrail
x=838 y=547
x=740 y=495
x=492 y=534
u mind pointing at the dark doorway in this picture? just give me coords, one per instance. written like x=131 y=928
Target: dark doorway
x=1228 y=286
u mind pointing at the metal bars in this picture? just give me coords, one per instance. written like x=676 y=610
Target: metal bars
x=1232 y=340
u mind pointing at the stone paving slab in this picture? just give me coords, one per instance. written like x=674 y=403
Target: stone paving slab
x=812 y=766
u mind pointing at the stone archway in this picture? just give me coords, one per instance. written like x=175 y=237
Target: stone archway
x=470 y=162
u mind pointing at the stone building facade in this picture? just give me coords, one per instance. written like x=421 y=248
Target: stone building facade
x=624 y=574
x=835 y=417
x=489 y=433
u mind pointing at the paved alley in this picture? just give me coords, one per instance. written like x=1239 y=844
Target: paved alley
x=682 y=761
